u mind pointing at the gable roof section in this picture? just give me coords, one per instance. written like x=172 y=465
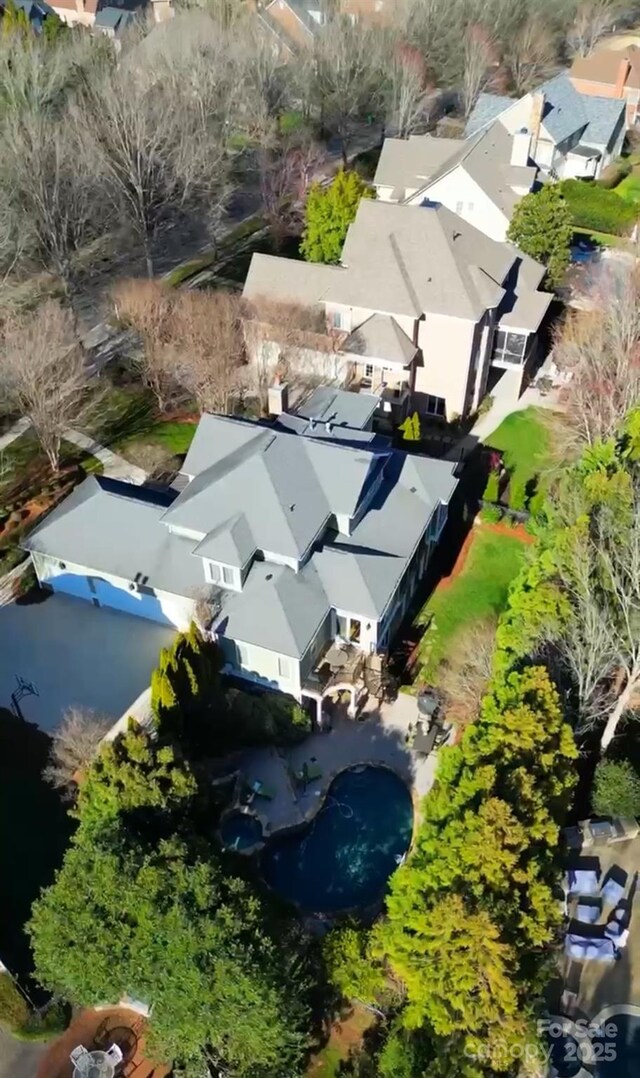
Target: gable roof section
x=409 y=162
x=566 y=112
x=381 y=337
x=604 y=66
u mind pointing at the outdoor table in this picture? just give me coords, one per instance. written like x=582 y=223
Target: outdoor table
x=94 y=1065
x=425 y=743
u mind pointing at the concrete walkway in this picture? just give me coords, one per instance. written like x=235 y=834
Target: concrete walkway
x=114 y=466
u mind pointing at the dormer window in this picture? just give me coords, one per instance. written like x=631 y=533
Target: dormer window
x=226 y=576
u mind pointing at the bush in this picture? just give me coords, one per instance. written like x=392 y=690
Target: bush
x=485 y=405
x=537 y=503
x=491 y=514
x=596 y=208
x=616 y=789
x=517 y=496
x=492 y=489
x=614 y=173
x=266 y=719
x=42 y=1026
x=14 y=1011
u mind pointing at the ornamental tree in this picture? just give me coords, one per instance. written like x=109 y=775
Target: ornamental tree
x=542 y=227
x=616 y=789
x=328 y=214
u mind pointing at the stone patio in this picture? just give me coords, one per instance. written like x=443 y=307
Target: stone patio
x=378 y=738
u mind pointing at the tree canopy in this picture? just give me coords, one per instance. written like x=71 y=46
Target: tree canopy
x=329 y=212
x=542 y=227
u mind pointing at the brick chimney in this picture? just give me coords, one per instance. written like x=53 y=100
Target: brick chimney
x=623 y=70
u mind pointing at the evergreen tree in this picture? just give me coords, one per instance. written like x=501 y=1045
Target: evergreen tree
x=542 y=227
x=328 y=214
x=15 y=21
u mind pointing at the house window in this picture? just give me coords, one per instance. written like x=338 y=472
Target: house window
x=459 y=207
x=435 y=405
x=510 y=347
x=284 y=668
x=470 y=207
x=368 y=370
x=228 y=576
x=335 y=318
x=213 y=572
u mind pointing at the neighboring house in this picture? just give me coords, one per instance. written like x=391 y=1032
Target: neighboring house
x=424 y=307
x=35 y=10
x=480 y=178
x=113 y=21
x=90 y=12
x=296 y=541
x=573 y=135
x=292 y=22
x=610 y=73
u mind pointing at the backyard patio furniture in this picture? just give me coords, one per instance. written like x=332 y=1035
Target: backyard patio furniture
x=583 y=948
x=589 y=912
x=96 y=1064
x=309 y=773
x=613 y=891
x=428 y=703
x=425 y=742
x=583 y=881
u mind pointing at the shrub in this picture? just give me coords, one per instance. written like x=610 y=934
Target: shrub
x=491 y=514
x=492 y=489
x=14 y=1011
x=485 y=405
x=42 y=1026
x=537 y=503
x=596 y=208
x=616 y=789
x=517 y=496
x=267 y=718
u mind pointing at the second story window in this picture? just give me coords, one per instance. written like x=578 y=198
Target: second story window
x=228 y=576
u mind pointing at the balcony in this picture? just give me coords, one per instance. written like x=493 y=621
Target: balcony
x=392 y=395
x=509 y=349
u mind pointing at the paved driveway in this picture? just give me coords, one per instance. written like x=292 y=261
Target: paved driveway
x=17 y=1059
x=75 y=653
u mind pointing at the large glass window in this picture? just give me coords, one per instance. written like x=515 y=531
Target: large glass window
x=435 y=405
x=510 y=347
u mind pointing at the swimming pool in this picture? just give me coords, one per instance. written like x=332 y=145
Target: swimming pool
x=240 y=831
x=344 y=858
x=617 y=1054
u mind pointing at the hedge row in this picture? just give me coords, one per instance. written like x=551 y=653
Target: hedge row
x=596 y=208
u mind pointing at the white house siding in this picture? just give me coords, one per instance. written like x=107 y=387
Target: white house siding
x=463 y=196
x=260 y=665
x=448 y=356
x=113 y=592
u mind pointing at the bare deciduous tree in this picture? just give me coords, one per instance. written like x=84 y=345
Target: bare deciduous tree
x=602 y=640
x=600 y=350
x=286 y=170
x=592 y=20
x=530 y=54
x=465 y=675
x=74 y=746
x=478 y=54
x=147 y=307
x=43 y=373
x=209 y=347
x=406 y=96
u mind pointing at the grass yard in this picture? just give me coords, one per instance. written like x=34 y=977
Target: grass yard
x=524 y=441
x=35 y=831
x=477 y=591
x=629 y=188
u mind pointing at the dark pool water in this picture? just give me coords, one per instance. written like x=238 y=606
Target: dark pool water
x=344 y=858
x=239 y=831
x=619 y=1056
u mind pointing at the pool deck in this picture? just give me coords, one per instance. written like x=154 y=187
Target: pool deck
x=377 y=739
x=608 y=984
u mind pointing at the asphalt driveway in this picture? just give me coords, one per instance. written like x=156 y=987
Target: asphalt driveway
x=75 y=653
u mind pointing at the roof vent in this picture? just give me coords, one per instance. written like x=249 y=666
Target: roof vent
x=328 y=426
x=269 y=576
x=292 y=507
x=312 y=423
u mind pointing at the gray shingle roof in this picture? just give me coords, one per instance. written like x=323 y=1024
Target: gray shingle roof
x=407 y=163
x=381 y=338
x=339 y=406
x=116 y=528
x=230 y=543
x=399 y=260
x=486 y=109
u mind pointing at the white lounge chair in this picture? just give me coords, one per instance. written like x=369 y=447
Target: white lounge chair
x=612 y=892
x=114 y=1054
x=588 y=913
x=77 y=1054
x=583 y=881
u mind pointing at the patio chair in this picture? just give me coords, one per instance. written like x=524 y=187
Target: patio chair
x=114 y=1054
x=613 y=891
x=583 y=881
x=77 y=1054
x=589 y=912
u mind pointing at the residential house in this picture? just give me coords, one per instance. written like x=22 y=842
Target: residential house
x=610 y=73
x=292 y=22
x=424 y=307
x=36 y=11
x=573 y=134
x=479 y=178
x=297 y=541
x=90 y=12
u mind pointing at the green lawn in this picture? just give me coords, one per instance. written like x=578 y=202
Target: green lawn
x=523 y=439
x=629 y=188
x=174 y=436
x=478 y=591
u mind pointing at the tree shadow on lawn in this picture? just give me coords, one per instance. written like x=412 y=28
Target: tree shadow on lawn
x=34 y=833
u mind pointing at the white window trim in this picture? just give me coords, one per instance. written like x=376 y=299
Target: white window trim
x=284 y=668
